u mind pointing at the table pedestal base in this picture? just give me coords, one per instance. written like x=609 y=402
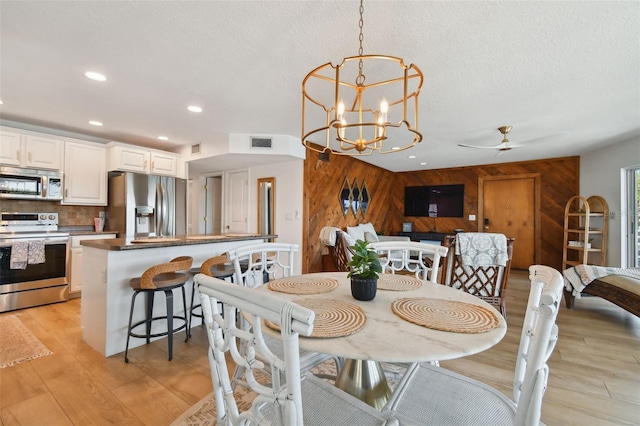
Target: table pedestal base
x=365 y=380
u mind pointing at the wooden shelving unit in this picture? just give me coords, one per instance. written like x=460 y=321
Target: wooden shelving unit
x=585 y=231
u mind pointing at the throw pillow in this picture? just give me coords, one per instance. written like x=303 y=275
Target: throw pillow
x=368 y=227
x=370 y=238
x=356 y=233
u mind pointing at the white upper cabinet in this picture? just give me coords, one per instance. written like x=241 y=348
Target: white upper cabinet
x=85 y=174
x=32 y=151
x=131 y=158
x=128 y=158
x=164 y=163
x=10 y=148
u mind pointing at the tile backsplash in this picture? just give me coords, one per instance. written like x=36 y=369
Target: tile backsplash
x=67 y=215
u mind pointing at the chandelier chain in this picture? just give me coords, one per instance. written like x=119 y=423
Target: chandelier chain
x=360 y=79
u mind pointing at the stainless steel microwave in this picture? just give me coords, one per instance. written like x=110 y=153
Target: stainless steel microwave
x=30 y=184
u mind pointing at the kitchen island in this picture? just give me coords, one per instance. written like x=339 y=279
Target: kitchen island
x=108 y=265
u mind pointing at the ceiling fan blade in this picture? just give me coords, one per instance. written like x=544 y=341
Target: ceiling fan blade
x=480 y=147
x=554 y=135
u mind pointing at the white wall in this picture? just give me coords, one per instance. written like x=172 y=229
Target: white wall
x=600 y=174
x=288 y=202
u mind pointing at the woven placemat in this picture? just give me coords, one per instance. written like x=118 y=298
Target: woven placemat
x=445 y=315
x=303 y=285
x=334 y=318
x=398 y=282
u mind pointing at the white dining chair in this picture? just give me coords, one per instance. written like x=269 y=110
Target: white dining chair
x=420 y=259
x=429 y=395
x=488 y=282
x=302 y=398
x=254 y=265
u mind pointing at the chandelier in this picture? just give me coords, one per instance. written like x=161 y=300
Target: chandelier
x=346 y=114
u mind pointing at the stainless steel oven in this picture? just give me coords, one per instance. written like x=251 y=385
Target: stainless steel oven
x=32 y=284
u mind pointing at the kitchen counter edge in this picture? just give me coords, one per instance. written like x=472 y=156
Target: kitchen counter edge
x=119 y=244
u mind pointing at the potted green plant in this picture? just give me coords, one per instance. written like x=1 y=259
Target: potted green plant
x=365 y=266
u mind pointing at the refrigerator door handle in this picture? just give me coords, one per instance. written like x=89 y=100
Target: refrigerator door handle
x=165 y=207
x=159 y=211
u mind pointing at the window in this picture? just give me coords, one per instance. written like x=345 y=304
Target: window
x=632 y=225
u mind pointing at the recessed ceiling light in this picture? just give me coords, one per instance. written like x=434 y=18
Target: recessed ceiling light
x=95 y=76
x=412 y=156
x=395 y=148
x=1 y=103
x=194 y=108
x=163 y=138
x=423 y=164
x=95 y=123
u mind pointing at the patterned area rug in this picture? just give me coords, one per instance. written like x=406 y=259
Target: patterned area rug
x=17 y=343
x=203 y=413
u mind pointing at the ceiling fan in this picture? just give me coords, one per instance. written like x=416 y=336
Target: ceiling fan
x=505 y=145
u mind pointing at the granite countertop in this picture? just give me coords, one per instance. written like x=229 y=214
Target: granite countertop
x=119 y=244
x=83 y=230
x=73 y=233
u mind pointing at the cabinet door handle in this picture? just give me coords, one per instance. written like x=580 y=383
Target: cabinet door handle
x=145 y=164
x=66 y=192
x=17 y=154
x=29 y=156
x=153 y=165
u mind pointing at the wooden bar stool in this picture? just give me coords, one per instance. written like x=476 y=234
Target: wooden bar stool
x=163 y=277
x=218 y=267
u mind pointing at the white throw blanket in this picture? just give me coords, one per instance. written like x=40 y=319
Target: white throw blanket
x=482 y=249
x=328 y=235
x=580 y=276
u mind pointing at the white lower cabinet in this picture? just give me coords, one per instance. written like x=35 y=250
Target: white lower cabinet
x=75 y=262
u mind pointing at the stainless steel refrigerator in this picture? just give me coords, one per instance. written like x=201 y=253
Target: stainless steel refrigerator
x=146 y=205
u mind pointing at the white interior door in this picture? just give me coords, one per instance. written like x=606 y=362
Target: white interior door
x=237 y=202
x=213 y=205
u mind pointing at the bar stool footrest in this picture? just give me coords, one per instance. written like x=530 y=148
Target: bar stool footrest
x=160 y=334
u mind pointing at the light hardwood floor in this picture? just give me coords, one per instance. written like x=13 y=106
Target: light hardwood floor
x=595 y=370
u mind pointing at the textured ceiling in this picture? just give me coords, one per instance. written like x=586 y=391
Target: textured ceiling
x=543 y=67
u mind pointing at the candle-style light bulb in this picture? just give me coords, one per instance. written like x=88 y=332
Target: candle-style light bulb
x=340 y=110
x=379 y=127
x=341 y=130
x=384 y=108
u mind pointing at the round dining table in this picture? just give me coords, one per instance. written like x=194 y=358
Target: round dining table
x=383 y=335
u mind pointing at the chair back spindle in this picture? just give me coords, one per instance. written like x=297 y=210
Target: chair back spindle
x=420 y=259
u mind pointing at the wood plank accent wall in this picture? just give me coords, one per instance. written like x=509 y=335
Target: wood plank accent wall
x=323 y=180
x=322 y=183
x=560 y=181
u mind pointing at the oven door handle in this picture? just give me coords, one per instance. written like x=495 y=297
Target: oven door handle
x=47 y=241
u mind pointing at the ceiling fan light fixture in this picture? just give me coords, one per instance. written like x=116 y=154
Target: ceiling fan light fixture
x=348 y=113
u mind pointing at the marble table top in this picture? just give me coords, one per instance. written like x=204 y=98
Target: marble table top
x=388 y=338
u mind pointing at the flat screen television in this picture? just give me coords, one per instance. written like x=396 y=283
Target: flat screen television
x=434 y=200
